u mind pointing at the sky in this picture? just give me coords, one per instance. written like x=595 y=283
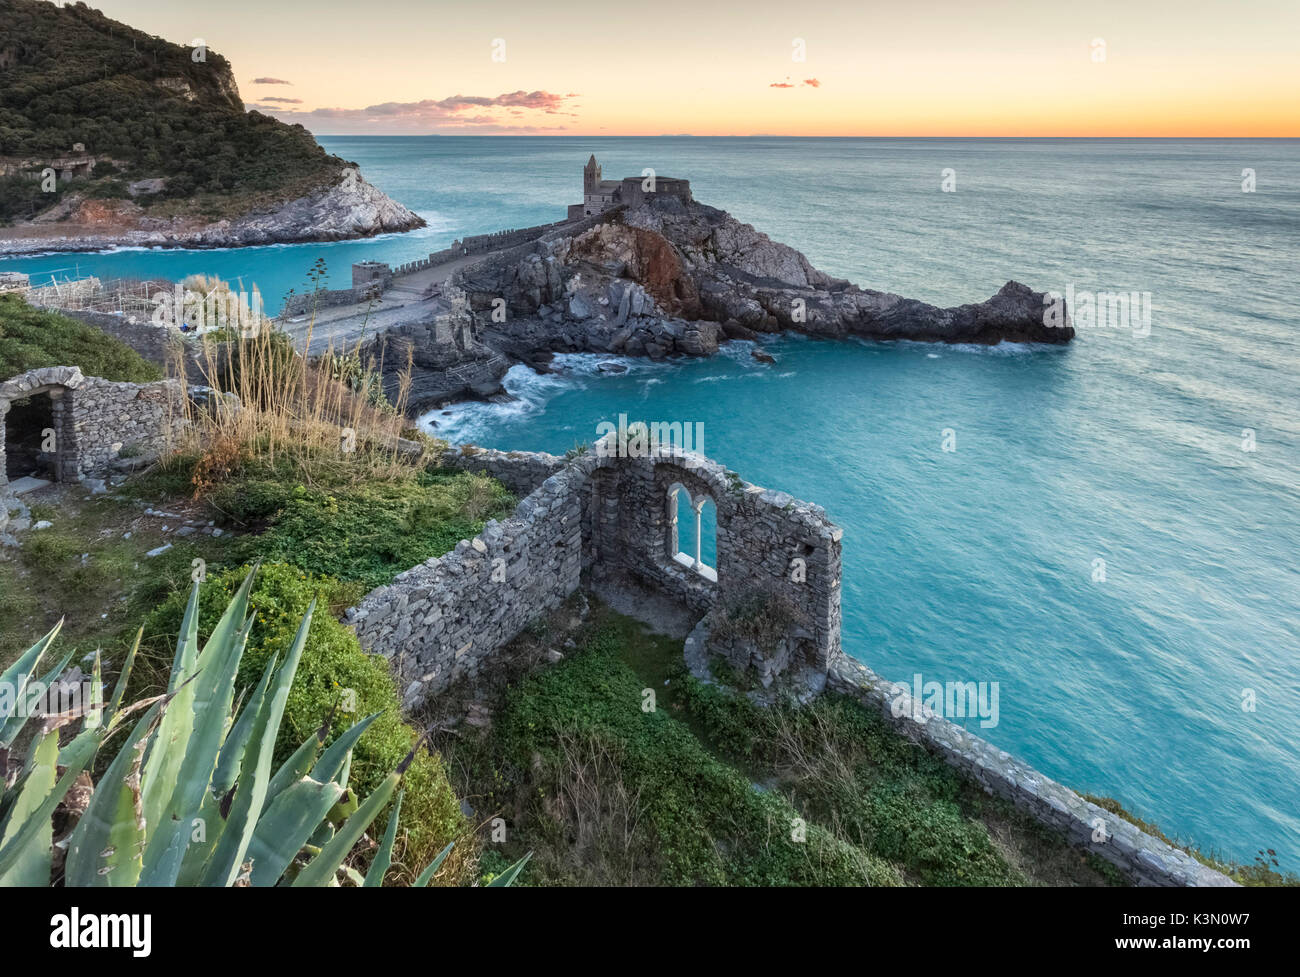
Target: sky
x=749 y=67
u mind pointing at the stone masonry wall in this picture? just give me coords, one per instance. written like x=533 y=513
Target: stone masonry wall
x=1142 y=857
x=521 y=472
x=157 y=343
x=610 y=515
x=95 y=420
x=771 y=547
x=443 y=620
x=110 y=418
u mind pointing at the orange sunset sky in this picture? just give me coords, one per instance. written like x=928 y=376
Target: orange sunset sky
x=718 y=67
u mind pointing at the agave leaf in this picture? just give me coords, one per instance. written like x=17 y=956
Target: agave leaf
x=332 y=761
x=57 y=670
x=433 y=867
x=243 y=743
x=163 y=768
x=384 y=857
x=95 y=708
x=16 y=677
x=33 y=864
x=231 y=758
x=215 y=803
x=323 y=833
x=218 y=665
x=41 y=689
x=256 y=775
x=345 y=808
x=296 y=767
x=120 y=689
x=105 y=848
x=286 y=826
x=77 y=760
x=198 y=849
x=320 y=871
x=507 y=878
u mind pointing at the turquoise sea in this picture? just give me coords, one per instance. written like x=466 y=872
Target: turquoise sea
x=1172 y=683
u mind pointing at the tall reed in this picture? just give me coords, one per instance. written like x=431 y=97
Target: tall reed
x=325 y=417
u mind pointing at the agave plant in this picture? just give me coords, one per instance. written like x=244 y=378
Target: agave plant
x=190 y=797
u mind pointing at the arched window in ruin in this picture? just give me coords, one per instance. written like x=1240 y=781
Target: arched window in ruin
x=692 y=530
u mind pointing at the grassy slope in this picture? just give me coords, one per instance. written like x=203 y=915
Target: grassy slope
x=31 y=339
x=82 y=77
x=705 y=789
x=332 y=540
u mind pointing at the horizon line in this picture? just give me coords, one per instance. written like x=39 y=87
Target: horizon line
x=760 y=135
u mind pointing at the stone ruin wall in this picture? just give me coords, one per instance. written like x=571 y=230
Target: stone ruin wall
x=1143 y=858
x=442 y=620
x=142 y=419
x=773 y=553
x=522 y=472
x=608 y=518
x=158 y=343
x=611 y=517
x=94 y=420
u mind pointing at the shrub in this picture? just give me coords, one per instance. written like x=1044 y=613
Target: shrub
x=847 y=768
x=367 y=534
x=332 y=663
x=691 y=818
x=192 y=758
x=31 y=339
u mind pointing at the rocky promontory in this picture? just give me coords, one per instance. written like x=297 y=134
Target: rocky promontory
x=669 y=277
x=677 y=278
x=154 y=147
x=348 y=208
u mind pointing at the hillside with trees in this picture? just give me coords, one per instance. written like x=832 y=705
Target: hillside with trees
x=146 y=108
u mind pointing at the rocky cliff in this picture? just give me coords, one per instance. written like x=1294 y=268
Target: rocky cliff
x=674 y=278
x=665 y=279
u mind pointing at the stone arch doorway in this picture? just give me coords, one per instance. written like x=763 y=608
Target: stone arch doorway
x=31 y=439
x=37 y=434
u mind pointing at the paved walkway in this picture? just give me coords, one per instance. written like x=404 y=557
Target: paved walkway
x=415 y=297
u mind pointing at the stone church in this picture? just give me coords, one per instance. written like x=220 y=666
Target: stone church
x=600 y=195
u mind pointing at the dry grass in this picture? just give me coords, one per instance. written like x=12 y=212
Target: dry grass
x=597 y=810
x=325 y=414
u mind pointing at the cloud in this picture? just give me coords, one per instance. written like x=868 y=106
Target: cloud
x=812 y=83
x=287 y=101
x=271 y=81
x=780 y=84
x=454 y=113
